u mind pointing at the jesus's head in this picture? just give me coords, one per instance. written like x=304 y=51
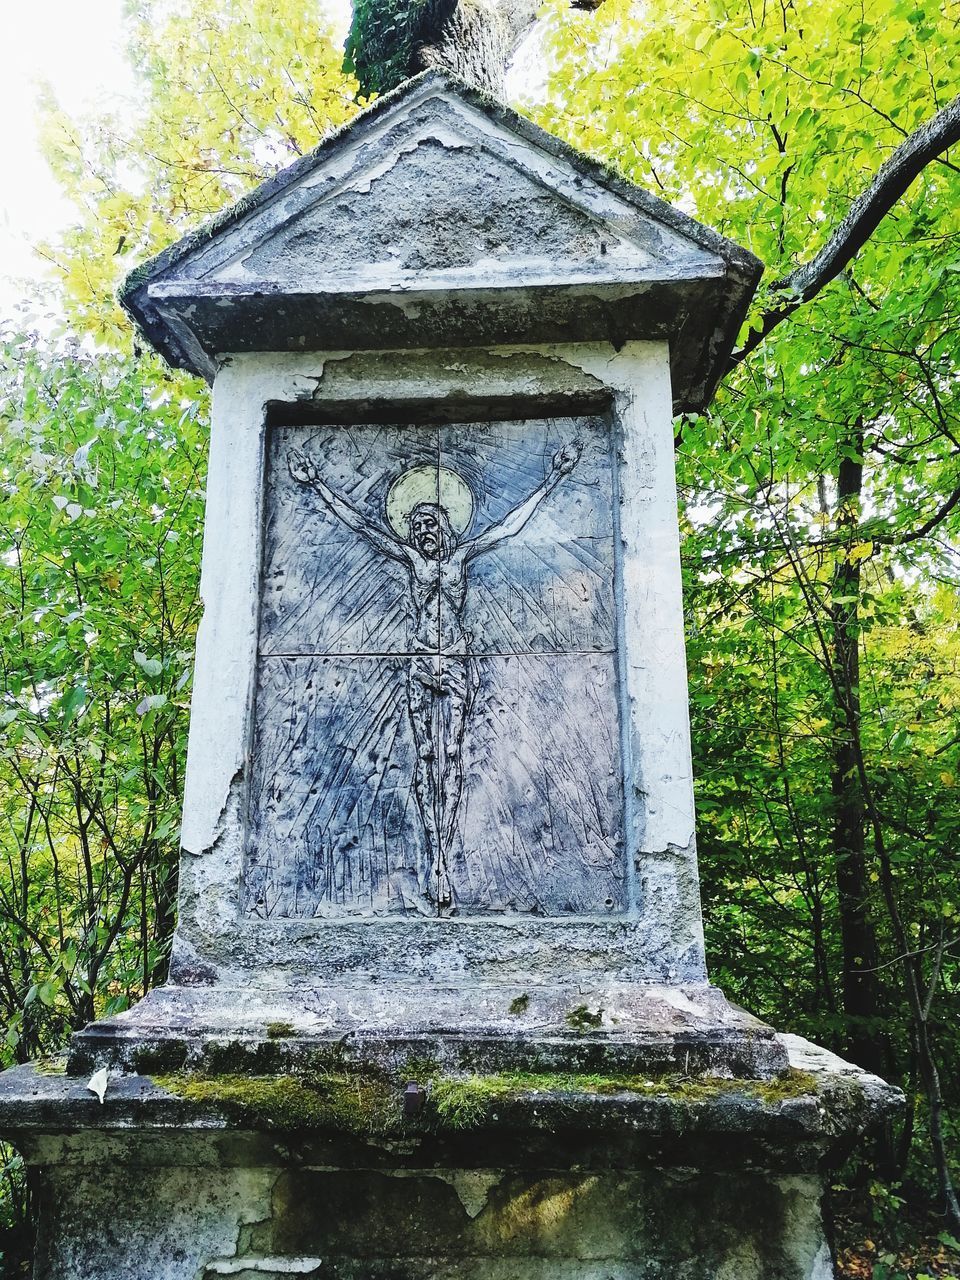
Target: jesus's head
x=431 y=532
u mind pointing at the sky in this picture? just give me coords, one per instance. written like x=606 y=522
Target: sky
x=77 y=47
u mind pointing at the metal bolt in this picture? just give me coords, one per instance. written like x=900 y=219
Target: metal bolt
x=413 y=1100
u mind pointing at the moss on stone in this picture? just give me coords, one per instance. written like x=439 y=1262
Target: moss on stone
x=793 y=1084
x=463 y=1102
x=520 y=1005
x=423 y=1071
x=584 y=1019
x=371 y=1104
x=351 y=1103
x=280 y=1030
x=54 y=1066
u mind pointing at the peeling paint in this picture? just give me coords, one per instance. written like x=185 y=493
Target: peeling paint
x=275 y=1266
x=662 y=940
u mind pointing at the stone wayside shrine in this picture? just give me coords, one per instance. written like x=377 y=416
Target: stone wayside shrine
x=438 y=1004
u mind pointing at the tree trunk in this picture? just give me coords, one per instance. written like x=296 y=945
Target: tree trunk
x=479 y=40
x=390 y=40
x=472 y=45
x=860 y=953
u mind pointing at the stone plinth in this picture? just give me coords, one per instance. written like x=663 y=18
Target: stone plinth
x=627 y=1029
x=496 y=1177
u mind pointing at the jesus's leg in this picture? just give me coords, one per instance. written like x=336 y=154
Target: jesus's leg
x=422 y=702
x=459 y=689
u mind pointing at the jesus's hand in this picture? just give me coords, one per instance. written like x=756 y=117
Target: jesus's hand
x=301 y=468
x=565 y=459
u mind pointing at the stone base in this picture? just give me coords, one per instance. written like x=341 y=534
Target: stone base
x=185 y=1223
x=509 y=1177
x=606 y=1028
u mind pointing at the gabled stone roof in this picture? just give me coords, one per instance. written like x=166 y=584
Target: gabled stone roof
x=439 y=217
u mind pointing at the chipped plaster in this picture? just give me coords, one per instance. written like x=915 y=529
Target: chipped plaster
x=662 y=932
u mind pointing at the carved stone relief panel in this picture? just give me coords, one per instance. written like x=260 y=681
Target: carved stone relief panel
x=437 y=721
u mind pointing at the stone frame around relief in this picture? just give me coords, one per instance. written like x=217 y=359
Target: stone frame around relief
x=659 y=936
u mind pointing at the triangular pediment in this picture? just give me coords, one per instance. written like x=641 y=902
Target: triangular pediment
x=434 y=192
x=443 y=193
x=461 y=212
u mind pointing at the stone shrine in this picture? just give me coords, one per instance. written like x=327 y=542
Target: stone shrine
x=438 y=1004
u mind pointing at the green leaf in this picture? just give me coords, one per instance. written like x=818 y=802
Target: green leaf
x=73 y=702
x=150 y=666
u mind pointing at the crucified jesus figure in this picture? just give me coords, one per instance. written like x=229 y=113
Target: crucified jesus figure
x=440 y=681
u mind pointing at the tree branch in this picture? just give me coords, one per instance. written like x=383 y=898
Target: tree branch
x=866 y=213
x=899 y=540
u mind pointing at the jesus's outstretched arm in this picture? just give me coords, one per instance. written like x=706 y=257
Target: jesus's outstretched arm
x=564 y=460
x=304 y=471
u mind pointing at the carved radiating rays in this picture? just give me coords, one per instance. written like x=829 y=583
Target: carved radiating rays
x=335 y=823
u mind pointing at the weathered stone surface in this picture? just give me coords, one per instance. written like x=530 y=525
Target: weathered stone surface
x=627 y=1227
x=614 y=1029
x=178 y=1225
x=439 y=218
x=639 y=1180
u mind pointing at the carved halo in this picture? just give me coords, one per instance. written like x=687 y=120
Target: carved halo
x=429 y=484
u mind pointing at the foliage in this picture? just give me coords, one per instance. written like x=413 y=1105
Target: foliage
x=386 y=36
x=101 y=496
x=229 y=92
x=879 y=1238
x=15 y=1242
x=821 y=518
x=102 y=484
